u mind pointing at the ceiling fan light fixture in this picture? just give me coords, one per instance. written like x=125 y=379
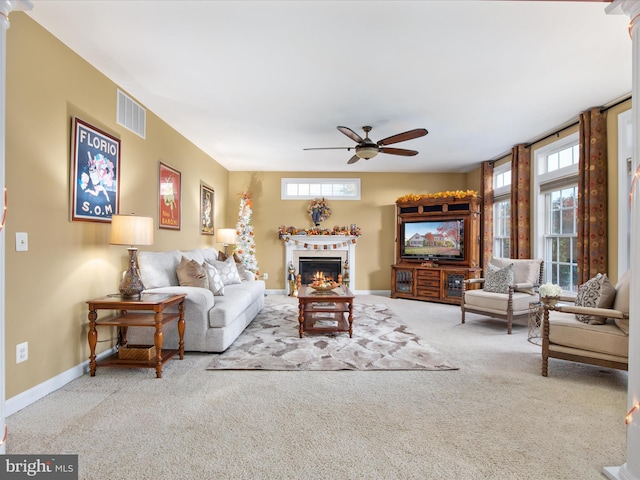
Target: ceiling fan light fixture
x=366 y=151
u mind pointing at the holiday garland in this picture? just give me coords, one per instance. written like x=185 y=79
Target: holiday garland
x=413 y=197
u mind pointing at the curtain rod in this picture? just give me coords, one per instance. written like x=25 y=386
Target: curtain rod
x=527 y=145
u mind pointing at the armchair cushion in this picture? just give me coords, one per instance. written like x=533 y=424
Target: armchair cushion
x=566 y=330
x=498 y=303
x=525 y=270
x=597 y=292
x=621 y=302
x=498 y=280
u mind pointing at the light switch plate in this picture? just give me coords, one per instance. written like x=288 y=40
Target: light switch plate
x=22 y=242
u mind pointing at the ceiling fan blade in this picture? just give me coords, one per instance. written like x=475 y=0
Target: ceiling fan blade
x=351 y=134
x=329 y=148
x=399 y=151
x=403 y=137
x=353 y=159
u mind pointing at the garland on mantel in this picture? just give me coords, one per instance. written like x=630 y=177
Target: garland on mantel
x=285 y=233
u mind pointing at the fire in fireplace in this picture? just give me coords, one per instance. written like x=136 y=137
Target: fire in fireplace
x=313 y=268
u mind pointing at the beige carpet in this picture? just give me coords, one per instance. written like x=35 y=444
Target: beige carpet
x=495 y=418
x=379 y=342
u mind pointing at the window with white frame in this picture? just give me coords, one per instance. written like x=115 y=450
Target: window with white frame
x=556 y=233
x=501 y=210
x=330 y=188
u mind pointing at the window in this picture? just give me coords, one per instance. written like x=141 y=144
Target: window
x=556 y=236
x=331 y=188
x=561 y=238
x=501 y=210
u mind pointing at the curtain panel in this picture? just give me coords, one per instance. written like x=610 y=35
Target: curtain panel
x=592 y=196
x=487 y=213
x=520 y=235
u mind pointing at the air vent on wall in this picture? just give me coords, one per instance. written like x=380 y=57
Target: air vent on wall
x=131 y=114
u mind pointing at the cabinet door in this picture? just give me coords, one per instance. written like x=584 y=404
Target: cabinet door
x=452 y=284
x=403 y=281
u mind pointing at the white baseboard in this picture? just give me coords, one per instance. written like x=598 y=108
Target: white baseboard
x=26 y=398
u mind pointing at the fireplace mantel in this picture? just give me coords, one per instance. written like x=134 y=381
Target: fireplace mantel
x=344 y=246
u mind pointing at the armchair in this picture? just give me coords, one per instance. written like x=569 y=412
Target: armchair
x=513 y=302
x=605 y=345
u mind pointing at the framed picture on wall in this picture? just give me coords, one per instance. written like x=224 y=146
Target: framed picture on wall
x=206 y=210
x=169 y=197
x=95 y=173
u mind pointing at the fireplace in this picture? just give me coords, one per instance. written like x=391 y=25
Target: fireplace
x=313 y=268
x=321 y=247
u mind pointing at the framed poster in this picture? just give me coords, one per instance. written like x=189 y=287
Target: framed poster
x=95 y=173
x=206 y=210
x=170 y=197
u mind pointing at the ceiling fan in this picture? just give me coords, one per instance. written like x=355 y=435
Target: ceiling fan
x=367 y=148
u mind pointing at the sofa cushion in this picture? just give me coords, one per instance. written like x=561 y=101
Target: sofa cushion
x=216 y=285
x=524 y=270
x=565 y=329
x=228 y=271
x=192 y=274
x=498 y=280
x=236 y=299
x=598 y=292
x=201 y=255
x=158 y=269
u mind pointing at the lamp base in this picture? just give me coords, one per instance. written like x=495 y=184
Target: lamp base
x=131 y=285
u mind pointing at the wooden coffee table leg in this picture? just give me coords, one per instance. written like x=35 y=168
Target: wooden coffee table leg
x=92 y=336
x=300 y=317
x=350 y=319
x=157 y=340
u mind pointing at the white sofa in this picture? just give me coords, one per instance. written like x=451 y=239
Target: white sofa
x=212 y=323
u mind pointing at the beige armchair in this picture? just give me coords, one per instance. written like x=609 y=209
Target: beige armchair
x=567 y=338
x=514 y=303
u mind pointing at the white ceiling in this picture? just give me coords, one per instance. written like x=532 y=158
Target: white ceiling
x=252 y=83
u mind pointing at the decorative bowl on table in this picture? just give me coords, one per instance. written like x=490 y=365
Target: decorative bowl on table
x=324 y=286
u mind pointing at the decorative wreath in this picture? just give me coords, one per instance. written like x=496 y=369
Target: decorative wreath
x=319 y=210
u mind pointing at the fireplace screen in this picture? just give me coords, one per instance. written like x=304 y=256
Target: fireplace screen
x=314 y=268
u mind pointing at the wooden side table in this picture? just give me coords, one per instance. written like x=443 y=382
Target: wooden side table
x=149 y=310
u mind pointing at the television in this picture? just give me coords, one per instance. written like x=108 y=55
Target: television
x=432 y=240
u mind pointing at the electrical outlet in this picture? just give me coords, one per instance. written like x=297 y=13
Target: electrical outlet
x=265 y=276
x=22 y=352
x=22 y=242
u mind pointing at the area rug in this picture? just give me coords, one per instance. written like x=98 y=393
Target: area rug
x=379 y=342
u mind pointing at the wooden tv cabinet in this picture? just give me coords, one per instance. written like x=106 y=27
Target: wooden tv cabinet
x=442 y=283
x=432 y=284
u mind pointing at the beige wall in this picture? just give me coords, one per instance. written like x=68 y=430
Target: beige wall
x=68 y=262
x=374 y=214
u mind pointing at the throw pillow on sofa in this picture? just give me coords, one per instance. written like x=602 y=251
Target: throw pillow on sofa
x=192 y=274
x=227 y=270
x=498 y=280
x=216 y=285
x=239 y=265
x=598 y=292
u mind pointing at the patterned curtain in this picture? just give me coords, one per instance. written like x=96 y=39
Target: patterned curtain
x=487 y=213
x=592 y=195
x=520 y=238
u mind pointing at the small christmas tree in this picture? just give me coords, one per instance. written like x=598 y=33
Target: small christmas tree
x=245 y=244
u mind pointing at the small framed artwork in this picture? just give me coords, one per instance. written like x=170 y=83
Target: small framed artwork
x=206 y=210
x=169 y=197
x=95 y=173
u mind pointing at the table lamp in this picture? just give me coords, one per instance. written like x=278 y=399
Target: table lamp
x=131 y=230
x=226 y=236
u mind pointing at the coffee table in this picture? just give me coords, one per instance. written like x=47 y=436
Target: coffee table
x=325 y=311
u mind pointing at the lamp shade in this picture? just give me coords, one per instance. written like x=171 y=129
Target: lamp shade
x=131 y=230
x=226 y=236
x=367 y=151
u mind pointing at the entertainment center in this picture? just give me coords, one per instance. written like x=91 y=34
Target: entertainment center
x=437 y=247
